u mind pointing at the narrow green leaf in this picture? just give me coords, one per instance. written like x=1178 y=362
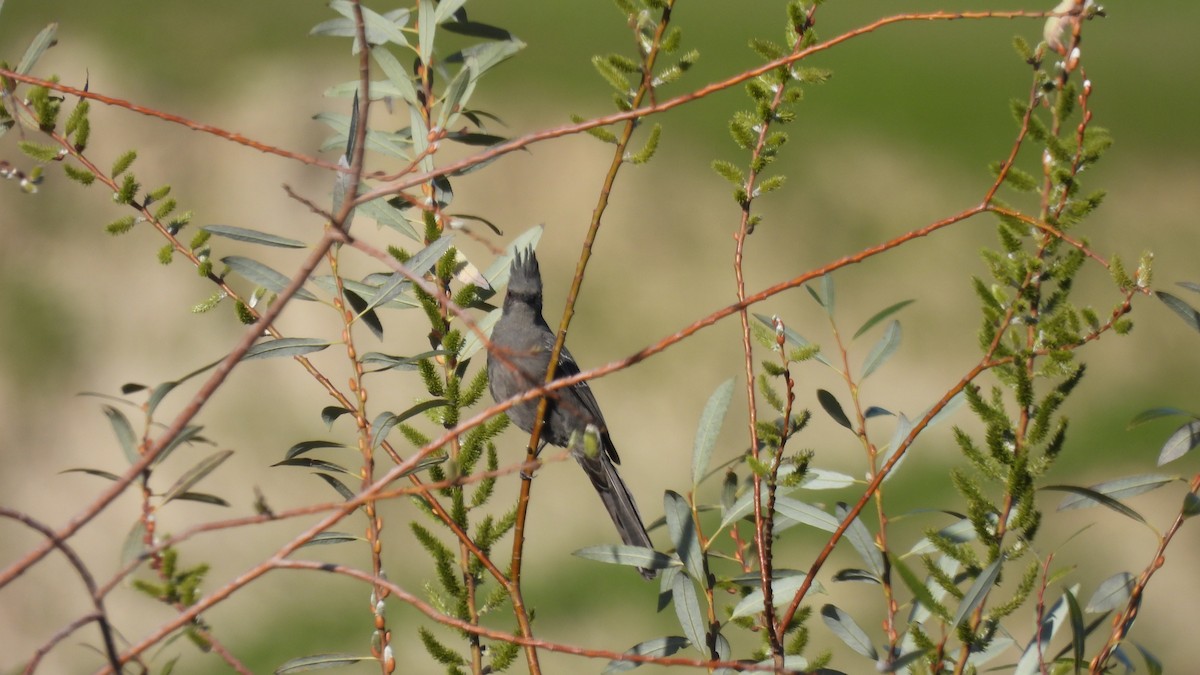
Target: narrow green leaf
x=805 y=513
x=1122 y=488
x=307 y=446
x=319 y=661
x=958 y=533
x=978 y=591
x=883 y=349
x=1108 y=494
x=630 y=556
x=724 y=653
x=740 y=508
x=830 y=403
x=658 y=647
x=425 y=464
x=368 y=316
x=710 y=426
x=93 y=472
x=687 y=610
x=848 y=631
x=379 y=28
x=783 y=589
x=1078 y=630
x=751 y=580
x=107 y=397
x=922 y=597
x=446 y=10
x=189 y=435
x=458 y=92
x=426 y=29
x=484 y=56
x=387 y=215
x=902 y=661
x=338 y=485
x=1033 y=657
x=999 y=646
x=862 y=541
x=264 y=276
x=202 y=497
x=196 y=474
x=1156 y=413
x=475 y=29
x=855 y=574
x=124 y=432
x=824 y=296
x=683 y=534
x=160 y=392
x=1189 y=285
x=1112 y=593
x=903 y=428
x=398 y=76
x=327 y=283
x=947 y=410
x=472 y=344
x=1184 y=440
x=417 y=266
x=1185 y=311
x=1122 y=658
x=253 y=236
x=460 y=219
x=824 y=479
x=329 y=414
x=43 y=41
x=729 y=486
x=312 y=463
x=1153 y=665
x=1191 y=505
x=389 y=362
x=135 y=543
x=342 y=182
x=288 y=346
x=384 y=422
x=322 y=538
x=744 y=505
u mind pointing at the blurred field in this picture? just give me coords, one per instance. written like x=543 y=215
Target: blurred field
x=901 y=136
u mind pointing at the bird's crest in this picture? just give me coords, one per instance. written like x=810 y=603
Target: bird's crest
x=525 y=278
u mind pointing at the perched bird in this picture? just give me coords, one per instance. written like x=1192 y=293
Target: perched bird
x=517 y=362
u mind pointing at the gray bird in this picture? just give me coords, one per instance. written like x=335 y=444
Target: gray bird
x=517 y=362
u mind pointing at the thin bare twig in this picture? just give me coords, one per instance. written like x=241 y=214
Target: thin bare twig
x=100 y=616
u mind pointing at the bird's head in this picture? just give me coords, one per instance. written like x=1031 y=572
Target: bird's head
x=525 y=280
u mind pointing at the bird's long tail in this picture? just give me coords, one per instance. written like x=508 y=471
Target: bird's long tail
x=619 y=503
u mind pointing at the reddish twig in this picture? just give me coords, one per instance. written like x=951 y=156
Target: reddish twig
x=637 y=113
x=168 y=117
x=1123 y=621
x=763 y=520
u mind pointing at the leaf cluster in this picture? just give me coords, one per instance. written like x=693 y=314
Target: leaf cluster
x=774 y=96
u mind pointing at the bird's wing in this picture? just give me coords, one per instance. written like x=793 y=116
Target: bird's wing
x=568 y=368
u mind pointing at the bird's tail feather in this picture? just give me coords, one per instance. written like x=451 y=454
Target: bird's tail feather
x=618 y=501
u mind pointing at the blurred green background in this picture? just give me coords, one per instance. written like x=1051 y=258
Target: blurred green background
x=900 y=137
